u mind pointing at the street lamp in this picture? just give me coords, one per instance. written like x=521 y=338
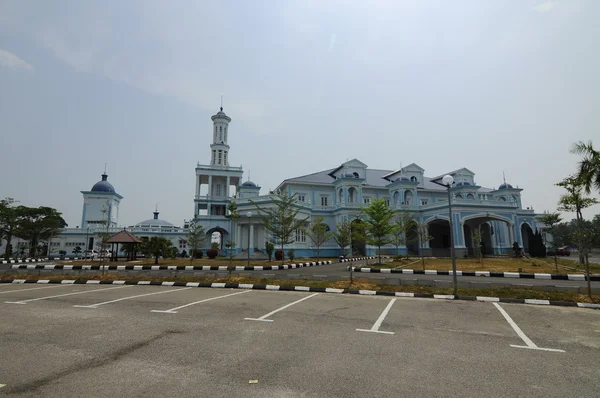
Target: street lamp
x=249 y=214
x=448 y=181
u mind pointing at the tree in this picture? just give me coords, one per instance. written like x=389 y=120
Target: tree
x=269 y=248
x=77 y=250
x=589 y=166
x=318 y=234
x=282 y=220
x=8 y=223
x=233 y=217
x=575 y=201
x=378 y=223
x=38 y=224
x=477 y=239
x=157 y=247
x=342 y=236
x=401 y=223
x=424 y=236
x=551 y=221
x=195 y=238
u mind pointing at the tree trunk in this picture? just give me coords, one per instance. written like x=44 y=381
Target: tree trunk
x=555 y=261
x=282 y=253
x=8 y=250
x=156 y=259
x=318 y=255
x=587 y=276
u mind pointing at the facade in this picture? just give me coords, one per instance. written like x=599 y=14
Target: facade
x=335 y=194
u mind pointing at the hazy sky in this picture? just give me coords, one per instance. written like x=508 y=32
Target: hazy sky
x=490 y=85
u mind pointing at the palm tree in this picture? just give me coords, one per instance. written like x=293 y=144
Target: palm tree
x=156 y=247
x=589 y=166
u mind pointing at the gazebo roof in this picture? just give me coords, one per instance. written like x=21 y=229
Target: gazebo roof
x=124 y=237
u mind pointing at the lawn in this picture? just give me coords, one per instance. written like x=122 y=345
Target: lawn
x=219 y=261
x=359 y=284
x=501 y=264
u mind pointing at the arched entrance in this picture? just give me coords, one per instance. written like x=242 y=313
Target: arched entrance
x=486 y=239
x=218 y=235
x=412 y=238
x=358 y=246
x=495 y=231
x=439 y=232
x=526 y=236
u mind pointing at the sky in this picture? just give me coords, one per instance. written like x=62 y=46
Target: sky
x=496 y=86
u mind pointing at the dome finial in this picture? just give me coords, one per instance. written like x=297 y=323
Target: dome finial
x=221 y=103
x=503 y=178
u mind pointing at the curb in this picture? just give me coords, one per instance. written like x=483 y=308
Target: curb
x=517 y=275
x=346 y=260
x=168 y=267
x=305 y=289
x=28 y=260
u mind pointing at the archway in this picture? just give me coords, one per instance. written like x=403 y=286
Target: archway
x=396 y=198
x=218 y=235
x=358 y=244
x=439 y=232
x=408 y=197
x=494 y=239
x=412 y=238
x=526 y=235
x=486 y=239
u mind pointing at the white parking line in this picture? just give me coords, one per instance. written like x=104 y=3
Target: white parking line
x=530 y=344
x=377 y=324
x=263 y=318
x=35 y=288
x=127 y=298
x=174 y=310
x=62 y=295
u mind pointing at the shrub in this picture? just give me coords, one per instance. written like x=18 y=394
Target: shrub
x=290 y=254
x=269 y=247
x=278 y=254
x=212 y=253
x=198 y=253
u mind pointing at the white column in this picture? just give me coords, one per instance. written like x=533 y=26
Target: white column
x=251 y=248
x=227 y=187
x=197 y=186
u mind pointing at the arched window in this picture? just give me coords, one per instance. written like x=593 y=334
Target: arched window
x=355 y=174
x=413 y=179
x=396 y=198
x=458 y=196
x=502 y=199
x=340 y=195
x=352 y=196
x=408 y=197
x=470 y=196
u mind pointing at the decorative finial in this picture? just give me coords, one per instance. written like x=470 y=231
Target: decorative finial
x=156 y=208
x=221 y=103
x=104 y=167
x=504 y=178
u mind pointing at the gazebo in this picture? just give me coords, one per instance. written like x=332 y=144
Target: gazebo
x=123 y=237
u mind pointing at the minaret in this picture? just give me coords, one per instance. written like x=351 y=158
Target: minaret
x=219 y=148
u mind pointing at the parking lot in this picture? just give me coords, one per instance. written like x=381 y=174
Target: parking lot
x=82 y=340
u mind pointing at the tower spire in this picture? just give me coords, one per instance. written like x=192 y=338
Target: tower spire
x=503 y=178
x=221 y=103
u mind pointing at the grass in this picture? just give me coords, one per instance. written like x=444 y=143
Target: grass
x=219 y=261
x=502 y=264
x=362 y=284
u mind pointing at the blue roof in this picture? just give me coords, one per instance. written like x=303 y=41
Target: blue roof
x=505 y=186
x=103 y=185
x=248 y=184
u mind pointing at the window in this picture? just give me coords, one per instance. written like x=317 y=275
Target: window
x=323 y=200
x=387 y=202
x=502 y=199
x=301 y=198
x=225 y=158
x=458 y=196
x=220 y=156
x=182 y=244
x=470 y=196
x=413 y=179
x=214 y=156
x=300 y=236
x=423 y=202
x=355 y=174
x=218 y=190
x=367 y=200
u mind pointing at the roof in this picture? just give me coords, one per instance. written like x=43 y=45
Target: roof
x=374 y=178
x=154 y=222
x=103 y=185
x=124 y=237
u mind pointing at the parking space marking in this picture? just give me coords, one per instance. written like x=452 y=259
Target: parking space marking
x=62 y=295
x=263 y=318
x=34 y=288
x=174 y=310
x=130 y=297
x=530 y=344
x=379 y=321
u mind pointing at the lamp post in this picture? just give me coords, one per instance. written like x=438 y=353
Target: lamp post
x=448 y=181
x=249 y=214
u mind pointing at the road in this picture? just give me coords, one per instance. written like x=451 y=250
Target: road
x=339 y=270
x=151 y=341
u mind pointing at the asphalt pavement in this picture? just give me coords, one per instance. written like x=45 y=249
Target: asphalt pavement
x=153 y=341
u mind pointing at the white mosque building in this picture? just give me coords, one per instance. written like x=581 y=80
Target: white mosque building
x=335 y=194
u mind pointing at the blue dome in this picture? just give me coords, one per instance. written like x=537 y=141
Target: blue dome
x=103 y=185
x=505 y=186
x=463 y=183
x=248 y=184
x=401 y=179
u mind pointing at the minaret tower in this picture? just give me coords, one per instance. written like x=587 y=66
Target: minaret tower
x=219 y=147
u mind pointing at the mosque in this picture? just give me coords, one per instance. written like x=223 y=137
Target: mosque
x=335 y=194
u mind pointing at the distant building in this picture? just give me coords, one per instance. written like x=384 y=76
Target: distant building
x=335 y=194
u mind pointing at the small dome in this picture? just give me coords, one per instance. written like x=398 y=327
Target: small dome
x=103 y=185
x=348 y=175
x=463 y=183
x=505 y=186
x=154 y=222
x=248 y=184
x=402 y=179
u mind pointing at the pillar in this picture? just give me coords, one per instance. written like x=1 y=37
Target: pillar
x=210 y=186
x=251 y=248
x=227 y=187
